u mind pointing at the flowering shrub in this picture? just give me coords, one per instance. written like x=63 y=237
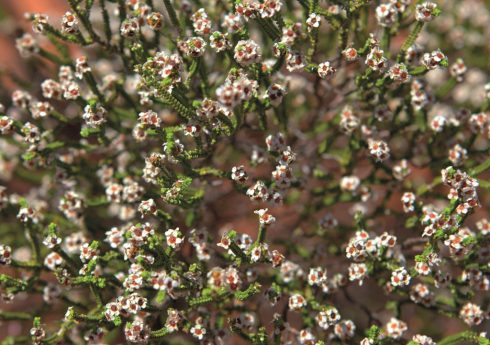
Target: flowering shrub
x=352 y=135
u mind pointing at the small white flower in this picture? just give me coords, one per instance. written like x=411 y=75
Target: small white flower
x=198 y=331
x=325 y=69
x=425 y=12
x=313 y=21
x=51 y=241
x=174 y=238
x=400 y=277
x=264 y=217
x=5 y=255
x=296 y=302
x=395 y=328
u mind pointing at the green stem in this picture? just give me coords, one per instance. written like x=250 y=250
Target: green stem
x=313 y=45
x=269 y=28
x=464 y=336
x=105 y=16
x=51 y=57
x=173 y=15
x=26 y=264
x=385 y=41
x=445 y=88
x=58 y=116
x=72 y=265
x=19 y=339
x=420 y=70
x=159 y=333
x=238 y=251
x=89 y=77
x=480 y=168
x=97 y=294
x=410 y=40
x=261 y=235
x=15 y=315
x=84 y=18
